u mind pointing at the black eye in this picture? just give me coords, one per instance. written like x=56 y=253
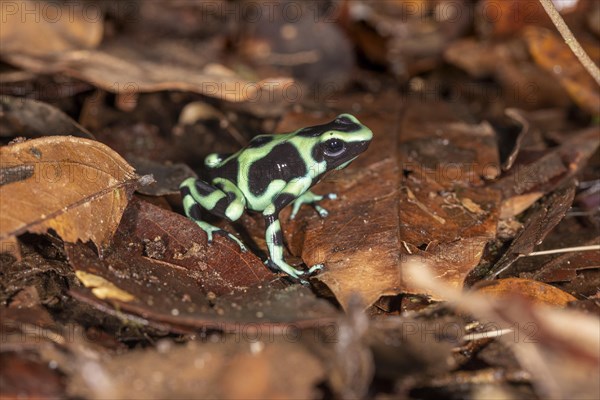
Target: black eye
x=334 y=147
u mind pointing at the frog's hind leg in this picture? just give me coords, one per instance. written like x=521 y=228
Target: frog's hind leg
x=273 y=234
x=224 y=200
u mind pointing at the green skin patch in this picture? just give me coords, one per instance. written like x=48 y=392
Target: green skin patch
x=272 y=172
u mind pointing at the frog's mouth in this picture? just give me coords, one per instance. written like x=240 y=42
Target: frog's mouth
x=344 y=165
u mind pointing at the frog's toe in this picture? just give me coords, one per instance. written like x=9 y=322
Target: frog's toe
x=331 y=196
x=212 y=231
x=323 y=213
x=243 y=248
x=316 y=267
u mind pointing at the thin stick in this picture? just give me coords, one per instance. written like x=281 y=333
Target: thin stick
x=591 y=247
x=486 y=335
x=570 y=40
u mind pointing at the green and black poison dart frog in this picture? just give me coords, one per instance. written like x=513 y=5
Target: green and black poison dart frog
x=270 y=173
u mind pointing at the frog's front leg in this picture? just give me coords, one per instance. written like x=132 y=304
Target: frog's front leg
x=310 y=198
x=224 y=200
x=273 y=234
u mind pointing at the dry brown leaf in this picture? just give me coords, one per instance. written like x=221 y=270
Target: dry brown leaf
x=434 y=214
x=446 y=146
x=130 y=72
x=565 y=267
x=525 y=183
x=552 y=54
x=545 y=217
x=361 y=250
x=506 y=18
x=446 y=217
x=44 y=27
x=20 y=116
x=535 y=291
x=473 y=56
x=77 y=187
x=175 y=280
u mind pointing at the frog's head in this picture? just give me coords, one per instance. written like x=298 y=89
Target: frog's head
x=339 y=142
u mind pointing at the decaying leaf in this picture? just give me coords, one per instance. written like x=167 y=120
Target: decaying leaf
x=77 y=187
x=533 y=290
x=40 y=27
x=552 y=53
x=447 y=145
x=527 y=182
x=30 y=118
x=446 y=216
x=454 y=183
x=128 y=72
x=361 y=254
x=544 y=218
x=435 y=213
x=178 y=282
x=565 y=266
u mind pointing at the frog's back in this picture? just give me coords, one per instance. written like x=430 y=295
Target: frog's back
x=268 y=162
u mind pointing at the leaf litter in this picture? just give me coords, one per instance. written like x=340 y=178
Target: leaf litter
x=106 y=295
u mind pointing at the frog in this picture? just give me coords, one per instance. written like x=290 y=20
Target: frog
x=270 y=173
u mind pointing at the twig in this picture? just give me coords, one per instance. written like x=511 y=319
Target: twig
x=570 y=40
x=565 y=250
x=486 y=335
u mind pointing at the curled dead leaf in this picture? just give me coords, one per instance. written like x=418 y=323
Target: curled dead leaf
x=535 y=291
x=30 y=118
x=77 y=187
x=129 y=73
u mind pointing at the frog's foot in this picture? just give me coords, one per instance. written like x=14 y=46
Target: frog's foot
x=315 y=268
x=311 y=198
x=213 y=230
x=293 y=272
x=282 y=266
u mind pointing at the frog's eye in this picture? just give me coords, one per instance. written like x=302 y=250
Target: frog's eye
x=334 y=147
